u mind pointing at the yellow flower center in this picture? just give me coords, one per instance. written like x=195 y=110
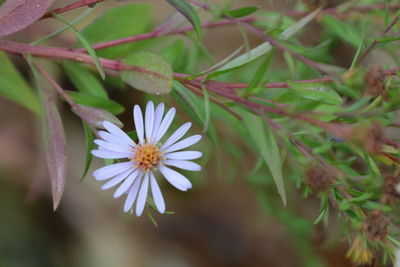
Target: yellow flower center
x=146 y=156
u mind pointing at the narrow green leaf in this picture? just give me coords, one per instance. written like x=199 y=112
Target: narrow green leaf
x=157 y=80
x=95 y=101
x=85 y=43
x=83 y=79
x=89 y=137
x=377 y=206
x=364 y=196
x=64 y=28
x=342 y=30
x=14 y=87
x=266 y=47
x=316 y=92
x=268 y=148
x=259 y=74
x=190 y=14
x=120 y=22
x=242 y=12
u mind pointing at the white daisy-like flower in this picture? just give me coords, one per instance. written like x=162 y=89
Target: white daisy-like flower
x=146 y=157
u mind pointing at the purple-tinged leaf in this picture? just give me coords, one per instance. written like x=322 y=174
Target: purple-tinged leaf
x=95 y=116
x=56 y=147
x=16 y=15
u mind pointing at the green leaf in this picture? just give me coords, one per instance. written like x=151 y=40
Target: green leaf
x=174 y=51
x=364 y=196
x=89 y=137
x=242 y=12
x=266 y=47
x=95 y=101
x=14 y=87
x=316 y=92
x=268 y=148
x=120 y=22
x=343 y=30
x=159 y=78
x=377 y=206
x=189 y=13
x=86 y=44
x=259 y=74
x=83 y=79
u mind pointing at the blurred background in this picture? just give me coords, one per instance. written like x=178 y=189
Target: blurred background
x=222 y=221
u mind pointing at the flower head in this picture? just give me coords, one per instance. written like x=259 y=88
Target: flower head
x=146 y=157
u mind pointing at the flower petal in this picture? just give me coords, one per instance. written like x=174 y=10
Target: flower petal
x=184 y=155
x=111 y=138
x=166 y=122
x=183 y=164
x=158 y=114
x=138 y=118
x=175 y=178
x=183 y=144
x=118 y=132
x=117 y=179
x=113 y=146
x=157 y=196
x=141 y=202
x=132 y=195
x=108 y=154
x=177 y=135
x=112 y=170
x=149 y=121
x=127 y=183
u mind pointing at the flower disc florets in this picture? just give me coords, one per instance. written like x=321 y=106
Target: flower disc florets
x=147 y=157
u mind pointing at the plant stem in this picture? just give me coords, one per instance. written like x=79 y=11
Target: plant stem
x=335 y=10
x=376 y=41
x=69 y=7
x=154 y=34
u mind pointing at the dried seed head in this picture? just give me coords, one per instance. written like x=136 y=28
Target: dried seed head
x=376 y=226
x=359 y=252
x=391 y=189
x=374 y=138
x=320 y=179
x=375 y=82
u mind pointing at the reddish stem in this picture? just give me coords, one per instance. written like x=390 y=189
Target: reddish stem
x=154 y=34
x=69 y=7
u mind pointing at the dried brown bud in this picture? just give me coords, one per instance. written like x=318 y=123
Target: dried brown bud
x=375 y=82
x=359 y=252
x=320 y=179
x=376 y=226
x=374 y=138
x=391 y=190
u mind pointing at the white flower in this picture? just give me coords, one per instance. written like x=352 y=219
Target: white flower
x=145 y=157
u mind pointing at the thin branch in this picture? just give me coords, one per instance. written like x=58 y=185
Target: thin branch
x=69 y=7
x=376 y=41
x=62 y=53
x=154 y=34
x=55 y=85
x=336 y=12
x=267 y=38
x=198 y=92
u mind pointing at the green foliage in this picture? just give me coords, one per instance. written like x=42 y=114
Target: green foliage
x=129 y=20
x=155 y=76
x=14 y=87
x=190 y=14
